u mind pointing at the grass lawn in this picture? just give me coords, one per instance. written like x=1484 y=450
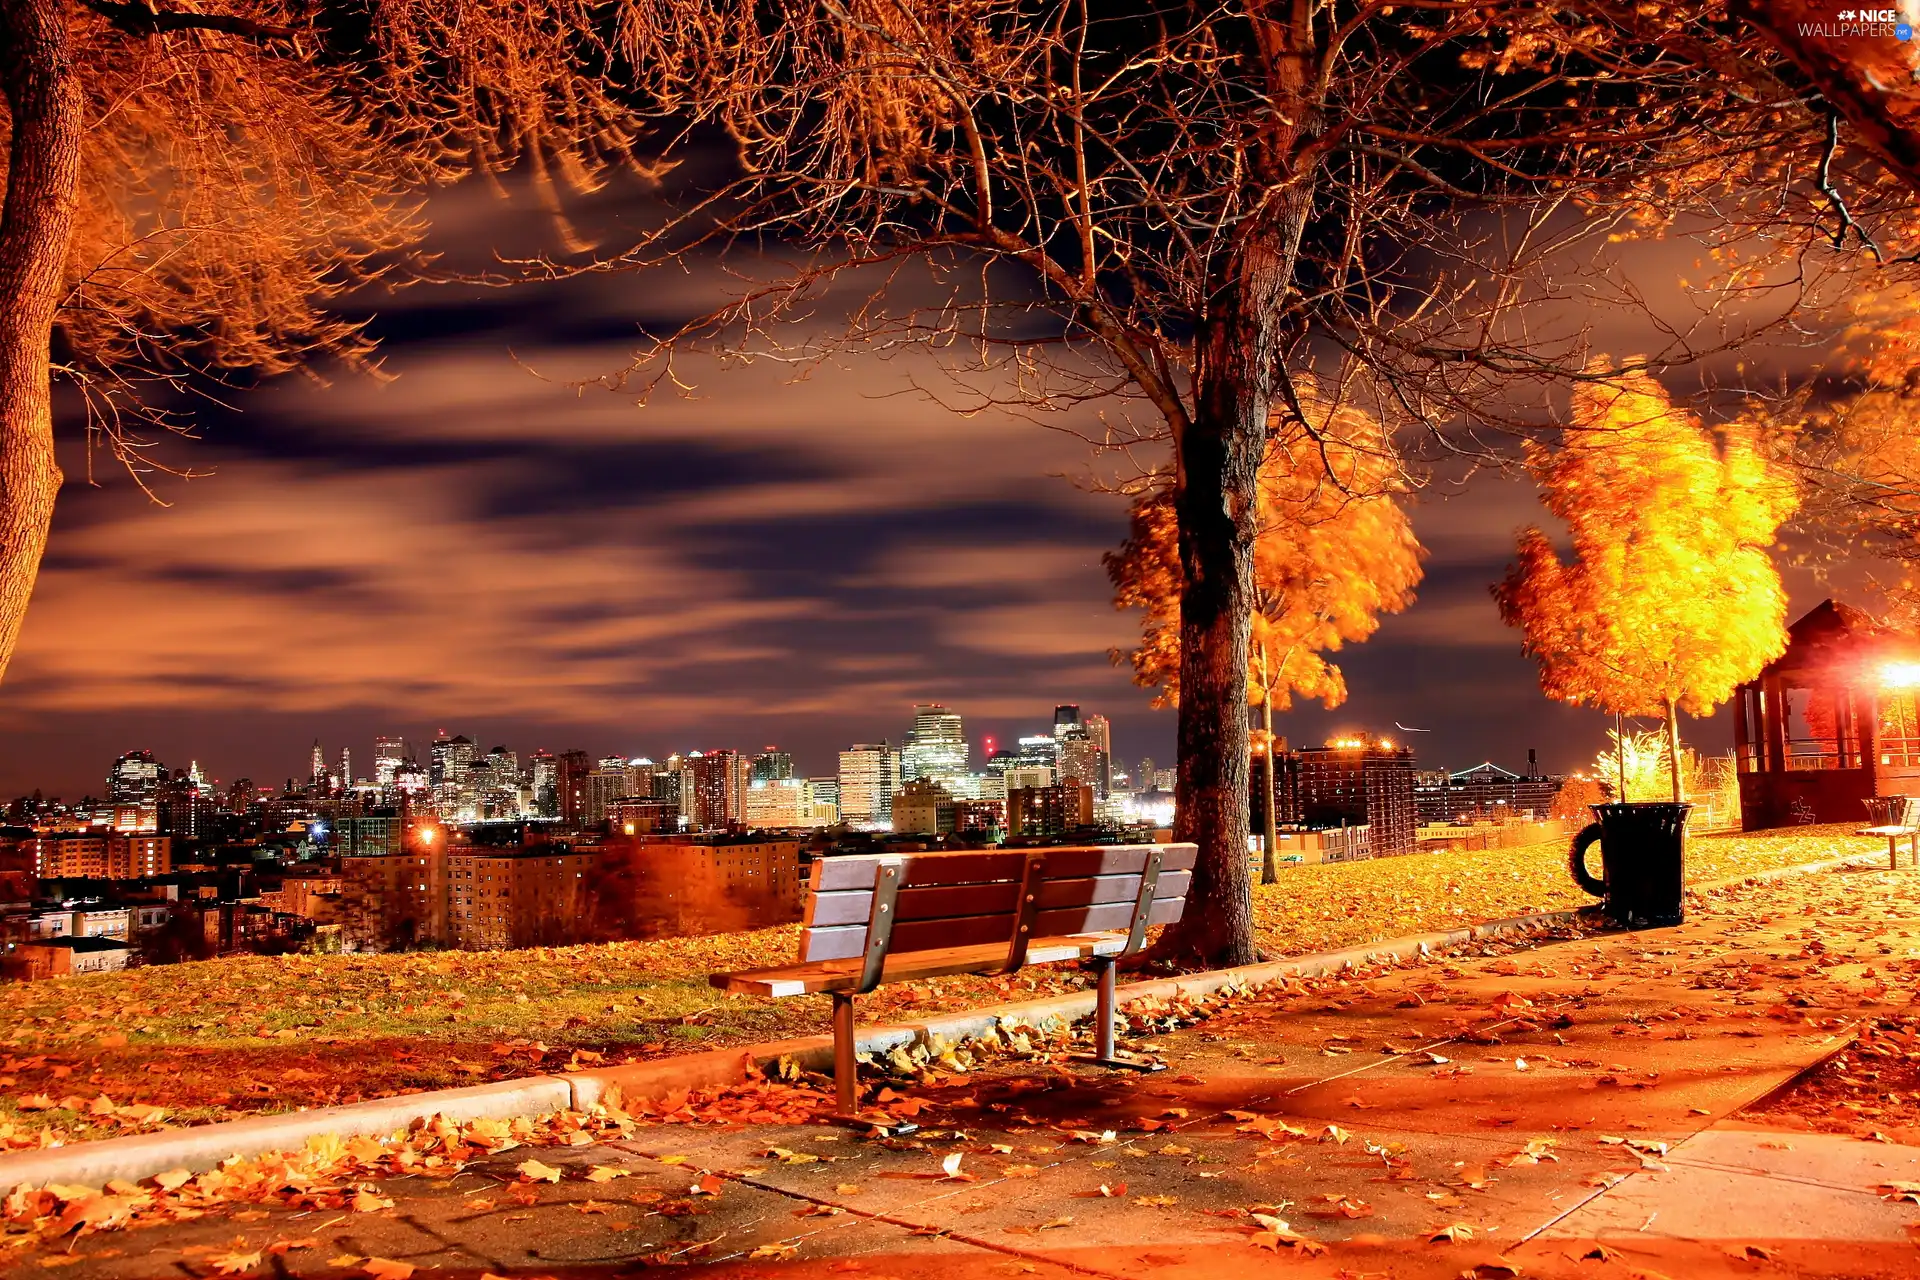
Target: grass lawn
x=92 y=1056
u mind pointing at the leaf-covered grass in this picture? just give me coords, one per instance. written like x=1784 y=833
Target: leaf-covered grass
x=211 y=1040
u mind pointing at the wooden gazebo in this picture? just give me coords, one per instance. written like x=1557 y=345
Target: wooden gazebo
x=1829 y=723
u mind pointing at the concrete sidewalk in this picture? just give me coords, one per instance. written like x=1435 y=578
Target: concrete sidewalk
x=1571 y=1110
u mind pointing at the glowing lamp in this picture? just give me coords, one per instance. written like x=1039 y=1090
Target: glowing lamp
x=1900 y=675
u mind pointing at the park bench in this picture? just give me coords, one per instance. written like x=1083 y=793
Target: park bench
x=872 y=919
x=1894 y=818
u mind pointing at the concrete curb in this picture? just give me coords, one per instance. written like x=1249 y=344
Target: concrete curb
x=205 y=1146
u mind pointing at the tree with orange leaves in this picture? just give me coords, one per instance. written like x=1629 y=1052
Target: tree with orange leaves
x=1671 y=597
x=1333 y=551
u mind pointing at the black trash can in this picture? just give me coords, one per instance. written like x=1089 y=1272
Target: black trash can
x=1642 y=859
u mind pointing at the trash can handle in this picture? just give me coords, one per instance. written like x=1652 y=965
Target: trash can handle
x=1577 y=861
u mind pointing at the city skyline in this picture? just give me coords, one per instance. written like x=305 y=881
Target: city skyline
x=1125 y=758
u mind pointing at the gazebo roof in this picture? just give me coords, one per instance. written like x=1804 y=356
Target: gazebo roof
x=1839 y=644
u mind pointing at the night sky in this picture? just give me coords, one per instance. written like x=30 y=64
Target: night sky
x=480 y=546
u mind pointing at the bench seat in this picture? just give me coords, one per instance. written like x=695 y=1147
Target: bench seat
x=1893 y=835
x=874 y=918
x=845 y=975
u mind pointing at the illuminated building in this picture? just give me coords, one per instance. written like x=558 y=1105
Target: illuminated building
x=1066 y=717
x=1354 y=781
x=1030 y=775
x=719 y=786
x=134 y=778
x=642 y=815
x=396 y=899
x=936 y=747
x=184 y=804
x=869 y=775
x=449 y=771
x=640 y=771
x=544 y=767
x=1484 y=793
x=570 y=786
x=923 y=806
x=599 y=790
x=99 y=857
x=787 y=804
x=1100 y=730
x=519 y=897
x=1049 y=811
x=1080 y=760
x=771 y=765
x=388 y=755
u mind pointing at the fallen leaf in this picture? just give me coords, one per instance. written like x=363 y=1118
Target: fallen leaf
x=778 y=1249
x=606 y=1173
x=232 y=1264
x=1157 y=1202
x=1453 y=1234
x=387 y=1269
x=534 y=1171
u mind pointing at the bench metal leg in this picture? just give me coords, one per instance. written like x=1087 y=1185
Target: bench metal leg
x=846 y=1076
x=1105 y=1053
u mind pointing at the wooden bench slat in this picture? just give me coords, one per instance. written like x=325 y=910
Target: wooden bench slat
x=855 y=871
x=840 y=942
x=803 y=979
x=933 y=902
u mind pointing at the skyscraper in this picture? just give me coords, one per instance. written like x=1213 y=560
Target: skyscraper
x=317 y=775
x=936 y=746
x=346 y=768
x=388 y=755
x=1065 y=717
x=1100 y=730
x=719 y=788
x=869 y=775
x=570 y=786
x=1080 y=760
x=771 y=765
x=545 y=768
x=134 y=778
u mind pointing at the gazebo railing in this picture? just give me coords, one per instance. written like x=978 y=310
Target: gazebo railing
x=1900 y=753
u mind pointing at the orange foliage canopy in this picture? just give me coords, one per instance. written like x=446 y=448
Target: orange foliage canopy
x=1671 y=598
x=1334 y=551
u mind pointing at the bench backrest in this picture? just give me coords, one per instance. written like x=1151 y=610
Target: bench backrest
x=943 y=900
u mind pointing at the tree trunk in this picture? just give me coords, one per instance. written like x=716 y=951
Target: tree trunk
x=1217 y=454
x=1673 y=749
x=43 y=99
x=1219 y=457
